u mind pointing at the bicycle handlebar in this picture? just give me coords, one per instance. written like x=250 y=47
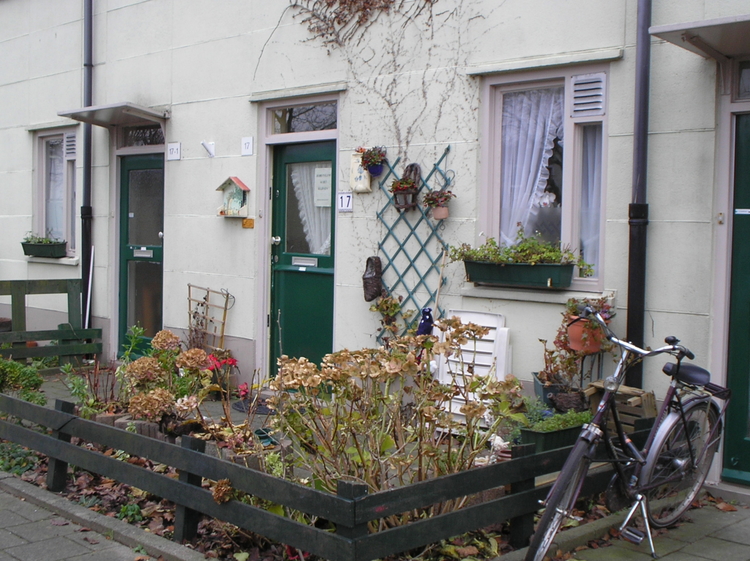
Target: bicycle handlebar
x=673 y=347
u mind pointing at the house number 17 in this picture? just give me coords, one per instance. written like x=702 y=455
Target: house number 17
x=345 y=201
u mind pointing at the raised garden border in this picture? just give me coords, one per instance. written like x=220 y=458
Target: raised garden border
x=349 y=510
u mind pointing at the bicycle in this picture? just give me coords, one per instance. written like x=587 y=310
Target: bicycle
x=663 y=478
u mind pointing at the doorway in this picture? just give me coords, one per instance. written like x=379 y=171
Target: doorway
x=737 y=436
x=302 y=255
x=141 y=244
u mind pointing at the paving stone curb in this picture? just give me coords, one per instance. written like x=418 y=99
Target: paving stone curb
x=120 y=531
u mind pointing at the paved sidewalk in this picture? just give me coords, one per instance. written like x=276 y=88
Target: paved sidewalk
x=704 y=534
x=38 y=525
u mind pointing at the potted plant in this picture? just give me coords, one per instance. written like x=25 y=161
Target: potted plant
x=38 y=246
x=531 y=262
x=438 y=201
x=584 y=335
x=404 y=194
x=555 y=431
x=373 y=159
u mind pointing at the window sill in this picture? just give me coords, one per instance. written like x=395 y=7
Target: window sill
x=70 y=261
x=528 y=295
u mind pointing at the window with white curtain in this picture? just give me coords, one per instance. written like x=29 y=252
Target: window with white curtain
x=55 y=204
x=546 y=154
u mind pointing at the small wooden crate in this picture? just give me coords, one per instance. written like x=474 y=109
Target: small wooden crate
x=632 y=404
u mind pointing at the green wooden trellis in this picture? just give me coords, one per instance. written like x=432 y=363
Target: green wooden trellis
x=411 y=264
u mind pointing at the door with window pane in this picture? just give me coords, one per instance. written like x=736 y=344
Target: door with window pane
x=301 y=319
x=141 y=251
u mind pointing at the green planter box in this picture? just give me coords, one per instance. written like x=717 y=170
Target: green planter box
x=542 y=275
x=54 y=250
x=550 y=440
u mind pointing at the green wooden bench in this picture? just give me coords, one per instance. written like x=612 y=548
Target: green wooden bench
x=69 y=339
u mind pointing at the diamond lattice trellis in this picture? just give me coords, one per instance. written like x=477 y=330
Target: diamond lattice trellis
x=412 y=246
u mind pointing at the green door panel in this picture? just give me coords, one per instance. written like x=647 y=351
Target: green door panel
x=737 y=436
x=302 y=257
x=141 y=248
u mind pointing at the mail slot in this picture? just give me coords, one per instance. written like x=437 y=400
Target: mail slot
x=305 y=261
x=143 y=253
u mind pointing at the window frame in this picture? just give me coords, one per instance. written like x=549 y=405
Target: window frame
x=39 y=216
x=493 y=88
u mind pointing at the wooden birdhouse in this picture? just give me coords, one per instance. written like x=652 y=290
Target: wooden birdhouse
x=235 y=194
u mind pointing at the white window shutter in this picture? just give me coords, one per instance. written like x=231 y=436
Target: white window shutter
x=70 y=146
x=589 y=95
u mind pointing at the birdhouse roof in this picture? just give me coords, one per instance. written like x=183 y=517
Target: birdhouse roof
x=233 y=181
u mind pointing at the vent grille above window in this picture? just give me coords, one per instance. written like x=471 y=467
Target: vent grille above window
x=589 y=94
x=70 y=146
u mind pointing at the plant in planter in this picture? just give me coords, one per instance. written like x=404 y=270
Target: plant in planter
x=584 y=335
x=530 y=262
x=43 y=246
x=404 y=194
x=555 y=431
x=438 y=201
x=373 y=159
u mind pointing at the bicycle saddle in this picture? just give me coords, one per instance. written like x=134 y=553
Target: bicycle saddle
x=688 y=374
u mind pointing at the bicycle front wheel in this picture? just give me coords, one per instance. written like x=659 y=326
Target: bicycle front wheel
x=673 y=473
x=561 y=500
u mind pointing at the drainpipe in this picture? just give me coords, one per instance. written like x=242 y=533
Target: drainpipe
x=86 y=214
x=638 y=209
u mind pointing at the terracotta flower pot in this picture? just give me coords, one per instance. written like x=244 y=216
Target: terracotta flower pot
x=440 y=212
x=584 y=337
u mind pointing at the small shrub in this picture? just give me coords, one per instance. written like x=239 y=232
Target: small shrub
x=23 y=381
x=563 y=421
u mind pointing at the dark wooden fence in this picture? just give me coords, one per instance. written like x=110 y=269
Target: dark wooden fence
x=70 y=338
x=349 y=511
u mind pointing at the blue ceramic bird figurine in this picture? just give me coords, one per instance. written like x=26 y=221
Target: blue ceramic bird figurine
x=425 y=324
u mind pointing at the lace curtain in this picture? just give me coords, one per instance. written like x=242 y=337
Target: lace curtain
x=532 y=119
x=54 y=190
x=591 y=193
x=314 y=217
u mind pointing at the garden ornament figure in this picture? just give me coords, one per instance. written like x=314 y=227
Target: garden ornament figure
x=425 y=324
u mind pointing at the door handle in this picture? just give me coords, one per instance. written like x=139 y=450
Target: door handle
x=275 y=240
x=161 y=235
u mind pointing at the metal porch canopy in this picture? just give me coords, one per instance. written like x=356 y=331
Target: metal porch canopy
x=719 y=39
x=116 y=114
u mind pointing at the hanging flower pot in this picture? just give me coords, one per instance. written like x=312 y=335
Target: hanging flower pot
x=440 y=212
x=585 y=336
x=373 y=159
x=404 y=194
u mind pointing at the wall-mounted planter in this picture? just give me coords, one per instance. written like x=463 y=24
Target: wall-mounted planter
x=53 y=250
x=542 y=275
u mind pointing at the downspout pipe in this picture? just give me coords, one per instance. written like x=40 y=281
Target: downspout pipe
x=638 y=209
x=86 y=211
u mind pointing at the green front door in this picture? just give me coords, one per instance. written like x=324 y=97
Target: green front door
x=737 y=437
x=141 y=252
x=301 y=319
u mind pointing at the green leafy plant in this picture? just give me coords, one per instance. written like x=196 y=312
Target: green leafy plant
x=527 y=249
x=33 y=238
x=437 y=198
x=130 y=512
x=16 y=459
x=22 y=381
x=403 y=184
x=379 y=416
x=372 y=156
x=565 y=420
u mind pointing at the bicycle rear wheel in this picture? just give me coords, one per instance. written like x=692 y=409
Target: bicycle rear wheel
x=561 y=500
x=669 y=467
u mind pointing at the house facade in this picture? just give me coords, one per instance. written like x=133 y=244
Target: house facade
x=192 y=151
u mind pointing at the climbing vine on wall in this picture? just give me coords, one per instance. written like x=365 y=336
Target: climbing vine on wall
x=337 y=22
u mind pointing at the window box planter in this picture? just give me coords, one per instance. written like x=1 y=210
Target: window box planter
x=550 y=440
x=53 y=250
x=552 y=276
